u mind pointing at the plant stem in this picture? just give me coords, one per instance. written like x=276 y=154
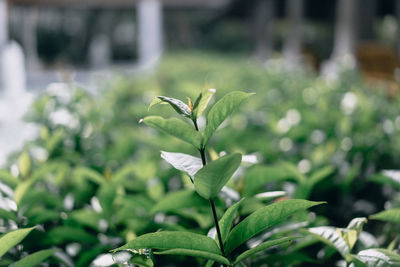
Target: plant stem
x=203 y=160
x=221 y=245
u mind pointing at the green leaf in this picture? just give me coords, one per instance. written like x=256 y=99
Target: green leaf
x=261 y=247
x=5 y=214
x=195 y=253
x=175 y=127
x=12 y=238
x=179 y=200
x=8 y=179
x=354 y=229
x=379 y=257
x=390 y=177
x=221 y=110
x=183 y=162
x=172 y=240
x=154 y=102
x=34 y=258
x=22 y=189
x=320 y=174
x=225 y=223
x=24 y=164
x=201 y=102
x=89 y=174
x=62 y=234
x=331 y=236
x=87 y=217
x=178 y=105
x=259 y=175
x=264 y=218
x=209 y=180
x=392 y=215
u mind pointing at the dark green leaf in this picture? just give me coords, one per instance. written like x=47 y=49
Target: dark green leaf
x=179 y=200
x=209 y=180
x=221 y=110
x=225 y=223
x=195 y=253
x=259 y=175
x=264 y=218
x=34 y=259
x=261 y=247
x=172 y=240
x=175 y=127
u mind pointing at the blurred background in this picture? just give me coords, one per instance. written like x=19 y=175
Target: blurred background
x=76 y=77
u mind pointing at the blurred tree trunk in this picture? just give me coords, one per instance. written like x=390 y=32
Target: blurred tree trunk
x=3 y=23
x=292 y=48
x=150 y=42
x=29 y=37
x=263 y=18
x=3 y=33
x=344 y=39
x=398 y=27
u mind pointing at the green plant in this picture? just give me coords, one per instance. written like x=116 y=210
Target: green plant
x=208 y=180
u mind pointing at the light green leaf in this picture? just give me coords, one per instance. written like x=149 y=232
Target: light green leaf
x=24 y=164
x=179 y=200
x=178 y=105
x=34 y=258
x=8 y=179
x=378 y=257
x=209 y=180
x=89 y=174
x=175 y=127
x=221 y=110
x=354 y=229
x=154 y=102
x=201 y=102
x=183 y=162
x=261 y=247
x=264 y=218
x=195 y=253
x=225 y=223
x=12 y=238
x=172 y=240
x=22 y=189
x=331 y=236
x=392 y=215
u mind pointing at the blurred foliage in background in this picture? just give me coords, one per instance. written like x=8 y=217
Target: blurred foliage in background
x=93 y=178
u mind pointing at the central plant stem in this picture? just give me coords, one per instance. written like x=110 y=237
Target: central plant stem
x=203 y=160
x=221 y=245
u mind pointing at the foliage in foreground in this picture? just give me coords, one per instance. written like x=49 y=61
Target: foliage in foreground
x=94 y=181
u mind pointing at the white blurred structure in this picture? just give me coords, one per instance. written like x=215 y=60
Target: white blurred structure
x=344 y=39
x=14 y=99
x=150 y=31
x=292 y=48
